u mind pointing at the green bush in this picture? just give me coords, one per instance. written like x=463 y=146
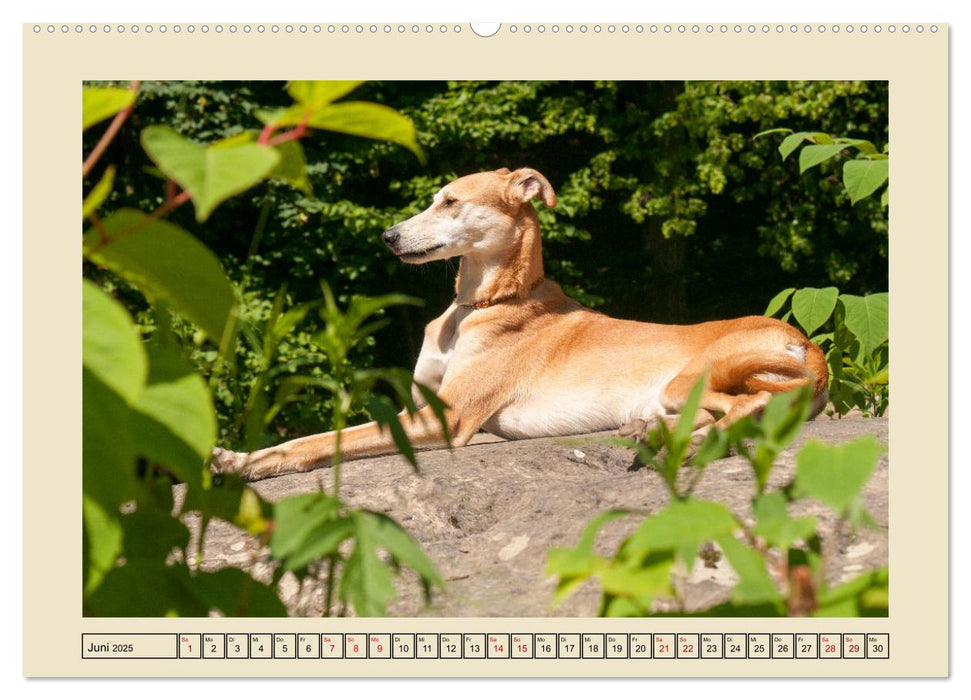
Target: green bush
x=668 y=210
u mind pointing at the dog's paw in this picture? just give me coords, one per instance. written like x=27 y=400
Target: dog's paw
x=226 y=461
x=634 y=430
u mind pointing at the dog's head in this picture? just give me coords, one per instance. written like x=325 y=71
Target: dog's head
x=474 y=214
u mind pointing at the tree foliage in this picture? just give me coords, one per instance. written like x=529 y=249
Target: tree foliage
x=668 y=210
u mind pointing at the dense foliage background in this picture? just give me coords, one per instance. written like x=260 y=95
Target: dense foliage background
x=668 y=209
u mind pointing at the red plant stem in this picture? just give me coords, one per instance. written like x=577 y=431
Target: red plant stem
x=109 y=134
x=267 y=139
x=291 y=135
x=167 y=206
x=265 y=135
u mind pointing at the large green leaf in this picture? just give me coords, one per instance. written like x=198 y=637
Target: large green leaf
x=232 y=500
x=681 y=526
x=149 y=588
x=211 y=174
x=369 y=120
x=292 y=168
x=778 y=301
x=403 y=549
x=235 y=593
x=774 y=524
x=755 y=586
x=812 y=307
x=146 y=588
x=814 y=154
x=792 y=142
x=110 y=345
x=317 y=93
x=102 y=541
x=99 y=193
x=107 y=448
x=308 y=527
x=152 y=533
x=868 y=318
x=640 y=581
x=867 y=595
x=166 y=264
x=367 y=581
x=98 y=103
x=864 y=177
x=836 y=474
x=179 y=399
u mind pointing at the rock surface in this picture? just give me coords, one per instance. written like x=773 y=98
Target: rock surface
x=487 y=514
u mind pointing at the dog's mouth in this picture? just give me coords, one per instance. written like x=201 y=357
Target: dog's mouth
x=413 y=255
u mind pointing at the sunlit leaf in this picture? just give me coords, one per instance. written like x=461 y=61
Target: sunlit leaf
x=167 y=264
x=99 y=103
x=210 y=174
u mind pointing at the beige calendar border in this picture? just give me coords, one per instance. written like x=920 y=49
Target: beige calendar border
x=916 y=66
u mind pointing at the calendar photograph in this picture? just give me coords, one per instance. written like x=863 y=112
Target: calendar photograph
x=492 y=348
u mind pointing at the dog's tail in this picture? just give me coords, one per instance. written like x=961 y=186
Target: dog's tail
x=802 y=363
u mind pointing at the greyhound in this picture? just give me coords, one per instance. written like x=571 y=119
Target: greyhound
x=514 y=356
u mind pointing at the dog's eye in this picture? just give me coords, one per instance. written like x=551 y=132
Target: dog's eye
x=449 y=201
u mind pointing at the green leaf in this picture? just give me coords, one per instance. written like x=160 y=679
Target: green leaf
x=179 y=399
x=235 y=593
x=295 y=520
x=102 y=542
x=99 y=193
x=774 y=524
x=99 y=103
x=386 y=416
x=641 y=581
x=107 y=449
x=368 y=120
x=292 y=168
x=791 y=143
x=682 y=526
x=767 y=132
x=755 y=586
x=814 y=154
x=110 y=345
x=166 y=264
x=404 y=550
x=574 y=565
x=836 y=474
x=778 y=301
x=146 y=588
x=314 y=94
x=866 y=595
x=231 y=500
x=812 y=307
x=152 y=534
x=210 y=174
x=868 y=318
x=367 y=581
x=885 y=198
x=864 y=177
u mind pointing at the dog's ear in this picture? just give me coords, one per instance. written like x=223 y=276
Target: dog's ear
x=527 y=183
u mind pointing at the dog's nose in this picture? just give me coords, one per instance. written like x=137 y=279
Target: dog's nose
x=390 y=237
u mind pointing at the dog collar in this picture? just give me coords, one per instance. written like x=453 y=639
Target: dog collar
x=485 y=304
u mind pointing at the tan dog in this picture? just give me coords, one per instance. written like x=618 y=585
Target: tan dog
x=514 y=356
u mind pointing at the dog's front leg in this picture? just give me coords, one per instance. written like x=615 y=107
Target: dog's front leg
x=423 y=429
